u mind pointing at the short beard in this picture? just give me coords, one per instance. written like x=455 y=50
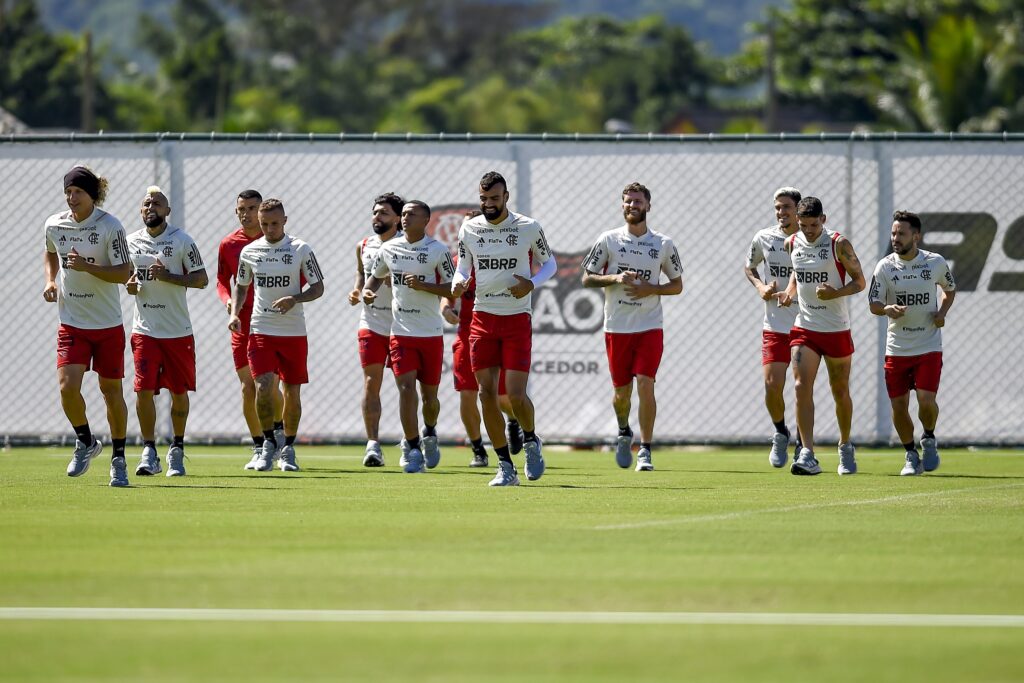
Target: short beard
x=902 y=251
x=491 y=213
x=154 y=222
x=380 y=229
x=635 y=221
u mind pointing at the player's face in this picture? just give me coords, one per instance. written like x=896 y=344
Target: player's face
x=384 y=219
x=78 y=200
x=492 y=201
x=154 y=210
x=414 y=221
x=811 y=226
x=247 y=211
x=635 y=207
x=904 y=239
x=785 y=211
x=272 y=224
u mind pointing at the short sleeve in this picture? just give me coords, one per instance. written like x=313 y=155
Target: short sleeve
x=539 y=247
x=310 y=267
x=597 y=260
x=379 y=269
x=945 y=276
x=445 y=266
x=755 y=255
x=671 y=265
x=117 y=247
x=244 y=275
x=878 y=290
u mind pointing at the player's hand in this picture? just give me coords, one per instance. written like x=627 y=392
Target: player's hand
x=133 y=283
x=158 y=271
x=449 y=314
x=459 y=288
x=235 y=324
x=783 y=298
x=638 y=289
x=369 y=296
x=227 y=306
x=76 y=261
x=895 y=312
x=522 y=287
x=626 y=277
x=412 y=282
x=939 y=319
x=826 y=292
x=284 y=304
x=50 y=292
x=353 y=297
x=767 y=291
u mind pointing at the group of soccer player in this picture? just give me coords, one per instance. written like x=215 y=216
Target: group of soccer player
x=407 y=285
x=817 y=269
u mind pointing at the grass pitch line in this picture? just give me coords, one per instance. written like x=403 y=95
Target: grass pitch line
x=507 y=617
x=723 y=516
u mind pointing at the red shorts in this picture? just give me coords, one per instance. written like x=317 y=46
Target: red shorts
x=164 y=363
x=633 y=353
x=99 y=350
x=373 y=348
x=504 y=341
x=831 y=344
x=424 y=355
x=774 y=347
x=284 y=355
x=462 y=369
x=240 y=349
x=903 y=373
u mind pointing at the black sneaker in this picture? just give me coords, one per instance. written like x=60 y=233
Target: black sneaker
x=515 y=438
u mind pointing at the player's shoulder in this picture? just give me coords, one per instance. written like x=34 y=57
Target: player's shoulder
x=254 y=246
x=55 y=220
x=772 y=232
x=233 y=237
x=887 y=262
x=660 y=237
x=139 y=235
x=932 y=257
x=106 y=220
x=299 y=244
x=523 y=222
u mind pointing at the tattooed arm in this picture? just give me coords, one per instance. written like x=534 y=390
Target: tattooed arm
x=848 y=257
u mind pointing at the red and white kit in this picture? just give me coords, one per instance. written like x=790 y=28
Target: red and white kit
x=417 y=344
x=633 y=327
x=822 y=326
x=91 y=331
x=374 y=318
x=277 y=341
x=913 y=344
x=768 y=247
x=501 y=334
x=162 y=342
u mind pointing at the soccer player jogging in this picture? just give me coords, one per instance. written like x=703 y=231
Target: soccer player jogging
x=465 y=381
x=86 y=259
x=767 y=247
x=498 y=248
x=375 y=318
x=826 y=271
x=275 y=266
x=246 y=210
x=903 y=288
x=628 y=262
x=166 y=261
x=420 y=269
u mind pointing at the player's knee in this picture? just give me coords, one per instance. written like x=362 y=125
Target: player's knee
x=111 y=389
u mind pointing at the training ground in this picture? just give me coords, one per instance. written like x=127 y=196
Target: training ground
x=715 y=567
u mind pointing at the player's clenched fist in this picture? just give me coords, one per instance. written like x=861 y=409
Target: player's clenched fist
x=235 y=324
x=354 y=297
x=369 y=296
x=50 y=292
x=522 y=287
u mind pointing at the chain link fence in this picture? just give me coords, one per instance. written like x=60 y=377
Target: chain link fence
x=710 y=194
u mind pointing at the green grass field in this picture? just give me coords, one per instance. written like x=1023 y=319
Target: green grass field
x=709 y=531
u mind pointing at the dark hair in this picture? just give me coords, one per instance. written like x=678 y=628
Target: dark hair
x=809 y=207
x=392 y=200
x=250 y=194
x=908 y=217
x=271 y=205
x=637 y=187
x=422 y=205
x=790 y=192
x=492 y=178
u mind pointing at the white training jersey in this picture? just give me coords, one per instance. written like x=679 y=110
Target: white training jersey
x=499 y=252
x=649 y=255
x=414 y=313
x=768 y=247
x=84 y=300
x=375 y=317
x=277 y=270
x=912 y=284
x=818 y=264
x=160 y=307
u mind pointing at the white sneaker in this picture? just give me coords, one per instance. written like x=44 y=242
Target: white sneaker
x=175 y=462
x=287 y=454
x=83 y=456
x=431 y=453
x=403 y=447
x=780 y=450
x=374 y=456
x=414 y=462
x=279 y=438
x=847 y=459
x=506 y=475
x=267 y=456
x=643 y=461
x=624 y=451
x=251 y=465
x=805 y=464
x=149 y=463
x=913 y=466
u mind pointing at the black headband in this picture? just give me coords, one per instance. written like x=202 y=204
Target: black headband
x=85 y=179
